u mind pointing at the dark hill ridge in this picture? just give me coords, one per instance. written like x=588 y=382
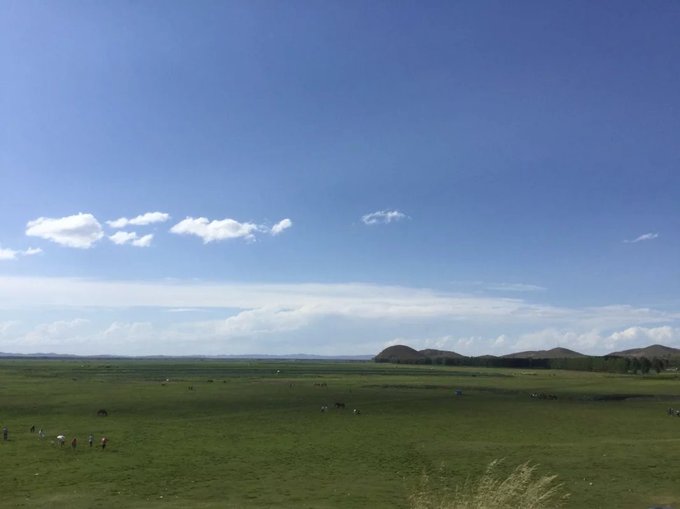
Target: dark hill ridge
x=406 y=354
x=652 y=351
x=555 y=353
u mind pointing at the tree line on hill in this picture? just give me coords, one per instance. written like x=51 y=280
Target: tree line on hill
x=606 y=364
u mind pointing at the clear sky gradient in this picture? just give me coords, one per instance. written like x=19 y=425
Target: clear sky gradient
x=335 y=177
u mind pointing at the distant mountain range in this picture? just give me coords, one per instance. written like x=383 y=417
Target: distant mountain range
x=406 y=354
x=294 y=356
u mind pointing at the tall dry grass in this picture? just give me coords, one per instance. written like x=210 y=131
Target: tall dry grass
x=521 y=489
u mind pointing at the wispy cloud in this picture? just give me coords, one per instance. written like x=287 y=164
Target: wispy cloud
x=383 y=217
x=13 y=254
x=352 y=300
x=499 y=287
x=141 y=220
x=282 y=225
x=80 y=230
x=645 y=236
x=122 y=238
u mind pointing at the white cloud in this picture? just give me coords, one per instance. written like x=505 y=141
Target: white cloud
x=53 y=334
x=383 y=217
x=8 y=254
x=122 y=238
x=144 y=241
x=646 y=236
x=80 y=230
x=639 y=336
x=211 y=231
x=6 y=327
x=13 y=254
x=597 y=342
x=141 y=220
x=284 y=224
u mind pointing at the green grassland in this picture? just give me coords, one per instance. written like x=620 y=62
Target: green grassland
x=246 y=436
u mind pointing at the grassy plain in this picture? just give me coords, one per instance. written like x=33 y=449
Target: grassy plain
x=249 y=437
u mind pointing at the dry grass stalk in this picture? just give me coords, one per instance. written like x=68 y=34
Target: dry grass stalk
x=519 y=490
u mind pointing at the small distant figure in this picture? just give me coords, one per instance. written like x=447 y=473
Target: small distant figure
x=90 y=439
x=459 y=392
x=74 y=443
x=324 y=408
x=104 y=441
x=41 y=434
x=357 y=411
x=61 y=439
x=32 y=429
x=5 y=433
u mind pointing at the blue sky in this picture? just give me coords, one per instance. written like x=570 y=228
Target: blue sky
x=335 y=177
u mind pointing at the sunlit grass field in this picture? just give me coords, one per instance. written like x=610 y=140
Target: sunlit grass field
x=251 y=434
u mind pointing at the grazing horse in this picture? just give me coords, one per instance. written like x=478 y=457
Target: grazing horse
x=339 y=405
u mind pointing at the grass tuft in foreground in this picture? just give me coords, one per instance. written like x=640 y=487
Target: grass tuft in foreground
x=521 y=489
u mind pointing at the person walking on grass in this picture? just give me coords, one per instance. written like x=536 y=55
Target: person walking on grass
x=74 y=443
x=103 y=442
x=90 y=439
x=5 y=433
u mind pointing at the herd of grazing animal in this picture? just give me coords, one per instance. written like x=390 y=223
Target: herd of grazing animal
x=340 y=406
x=542 y=395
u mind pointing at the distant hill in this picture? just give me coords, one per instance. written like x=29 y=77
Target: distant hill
x=555 y=353
x=651 y=352
x=407 y=355
x=400 y=353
